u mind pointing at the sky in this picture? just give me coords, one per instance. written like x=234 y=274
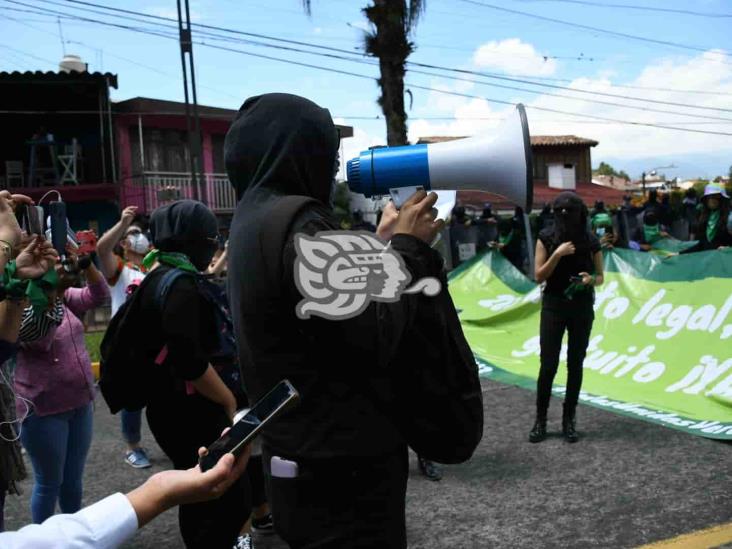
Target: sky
x=691 y=69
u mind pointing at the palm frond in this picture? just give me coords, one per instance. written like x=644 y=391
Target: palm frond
x=416 y=9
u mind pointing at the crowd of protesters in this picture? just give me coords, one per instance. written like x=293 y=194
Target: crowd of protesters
x=697 y=224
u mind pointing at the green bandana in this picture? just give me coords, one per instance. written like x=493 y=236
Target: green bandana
x=575 y=288
x=651 y=233
x=602 y=220
x=506 y=239
x=712 y=225
x=34 y=290
x=172 y=259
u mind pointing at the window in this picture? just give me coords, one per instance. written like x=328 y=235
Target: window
x=164 y=150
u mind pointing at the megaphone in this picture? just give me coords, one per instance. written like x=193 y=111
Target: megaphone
x=499 y=164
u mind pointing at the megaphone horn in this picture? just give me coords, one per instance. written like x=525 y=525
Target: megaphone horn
x=499 y=164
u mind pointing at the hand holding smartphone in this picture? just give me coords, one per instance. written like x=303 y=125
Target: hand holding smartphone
x=271 y=405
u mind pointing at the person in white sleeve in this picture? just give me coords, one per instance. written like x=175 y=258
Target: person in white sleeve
x=114 y=520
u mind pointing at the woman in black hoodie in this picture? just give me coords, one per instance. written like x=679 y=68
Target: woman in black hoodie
x=189 y=405
x=569 y=260
x=340 y=474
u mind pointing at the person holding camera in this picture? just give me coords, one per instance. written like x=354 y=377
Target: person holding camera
x=35 y=258
x=54 y=373
x=569 y=261
x=121 y=251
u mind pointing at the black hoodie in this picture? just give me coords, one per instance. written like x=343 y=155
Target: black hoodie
x=345 y=370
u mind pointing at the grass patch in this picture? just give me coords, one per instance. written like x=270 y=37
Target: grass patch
x=93 y=341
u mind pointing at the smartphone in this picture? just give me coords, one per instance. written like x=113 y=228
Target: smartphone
x=575 y=279
x=30 y=219
x=87 y=242
x=282 y=397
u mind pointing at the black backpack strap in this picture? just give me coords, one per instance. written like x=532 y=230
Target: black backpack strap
x=274 y=231
x=165 y=284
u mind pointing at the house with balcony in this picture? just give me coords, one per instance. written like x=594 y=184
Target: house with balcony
x=154 y=159
x=63 y=136
x=57 y=139
x=154 y=155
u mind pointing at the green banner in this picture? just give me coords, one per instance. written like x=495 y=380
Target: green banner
x=661 y=344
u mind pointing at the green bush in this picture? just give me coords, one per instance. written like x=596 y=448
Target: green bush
x=93 y=341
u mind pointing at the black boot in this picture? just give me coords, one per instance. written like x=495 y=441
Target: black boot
x=538 y=433
x=568 y=426
x=429 y=469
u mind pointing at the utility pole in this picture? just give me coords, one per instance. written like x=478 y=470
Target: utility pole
x=194 y=126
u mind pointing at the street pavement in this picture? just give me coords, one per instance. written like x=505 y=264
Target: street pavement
x=626 y=483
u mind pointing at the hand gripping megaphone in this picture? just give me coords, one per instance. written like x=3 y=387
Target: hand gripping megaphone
x=499 y=164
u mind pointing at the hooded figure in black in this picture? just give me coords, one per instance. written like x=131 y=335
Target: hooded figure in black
x=189 y=405
x=342 y=443
x=569 y=261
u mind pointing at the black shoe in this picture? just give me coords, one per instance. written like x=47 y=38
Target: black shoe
x=429 y=469
x=538 y=433
x=568 y=429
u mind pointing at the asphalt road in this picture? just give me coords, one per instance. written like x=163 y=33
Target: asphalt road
x=624 y=484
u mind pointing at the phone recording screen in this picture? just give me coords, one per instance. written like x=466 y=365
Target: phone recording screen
x=244 y=429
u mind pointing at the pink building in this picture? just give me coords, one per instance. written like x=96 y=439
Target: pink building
x=154 y=164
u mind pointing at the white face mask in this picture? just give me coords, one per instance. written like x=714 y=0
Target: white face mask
x=138 y=243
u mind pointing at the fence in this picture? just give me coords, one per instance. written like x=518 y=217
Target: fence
x=154 y=189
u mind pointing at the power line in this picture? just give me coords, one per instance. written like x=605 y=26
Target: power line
x=438 y=67
x=351 y=53
x=642 y=8
x=450 y=69
x=358 y=75
x=593 y=29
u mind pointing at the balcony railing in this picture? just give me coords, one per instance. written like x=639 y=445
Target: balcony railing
x=154 y=189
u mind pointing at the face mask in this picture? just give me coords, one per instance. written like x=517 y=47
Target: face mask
x=138 y=243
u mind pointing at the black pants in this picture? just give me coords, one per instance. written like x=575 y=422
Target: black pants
x=181 y=426
x=557 y=316
x=342 y=504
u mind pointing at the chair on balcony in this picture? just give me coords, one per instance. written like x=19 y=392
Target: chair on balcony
x=68 y=162
x=14 y=174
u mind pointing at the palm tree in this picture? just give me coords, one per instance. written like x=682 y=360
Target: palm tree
x=392 y=22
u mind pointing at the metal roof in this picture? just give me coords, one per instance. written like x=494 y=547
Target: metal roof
x=52 y=77
x=536 y=140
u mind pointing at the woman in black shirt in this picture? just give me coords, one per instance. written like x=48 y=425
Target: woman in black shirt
x=569 y=260
x=190 y=404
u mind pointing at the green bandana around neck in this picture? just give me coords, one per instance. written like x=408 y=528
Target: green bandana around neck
x=506 y=239
x=34 y=290
x=172 y=259
x=651 y=233
x=712 y=224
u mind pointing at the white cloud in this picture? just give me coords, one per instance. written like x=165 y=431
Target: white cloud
x=622 y=141
x=513 y=56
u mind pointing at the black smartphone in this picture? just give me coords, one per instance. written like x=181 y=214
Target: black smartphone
x=283 y=396
x=575 y=279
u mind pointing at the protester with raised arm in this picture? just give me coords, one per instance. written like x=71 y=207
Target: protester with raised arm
x=124 y=270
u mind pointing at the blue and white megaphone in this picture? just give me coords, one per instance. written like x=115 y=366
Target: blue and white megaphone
x=499 y=164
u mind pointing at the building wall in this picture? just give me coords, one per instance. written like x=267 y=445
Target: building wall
x=579 y=156
x=129 y=150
